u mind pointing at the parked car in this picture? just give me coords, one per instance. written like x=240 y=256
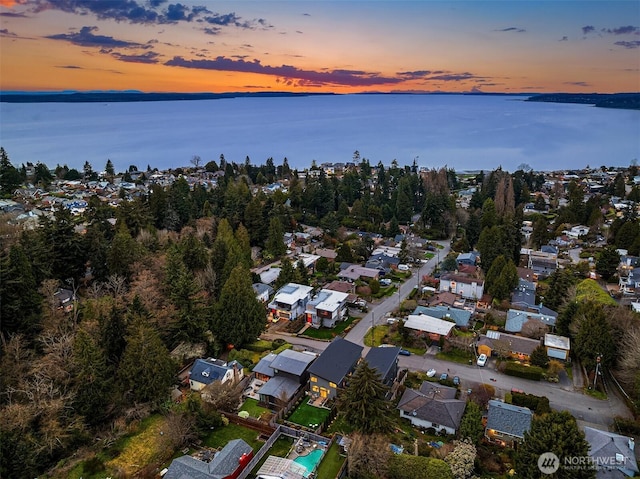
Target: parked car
x=391 y=320
x=385 y=282
x=444 y=376
x=456 y=381
x=482 y=360
x=431 y=372
x=404 y=352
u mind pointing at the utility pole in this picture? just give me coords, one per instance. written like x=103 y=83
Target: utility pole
x=373 y=324
x=595 y=377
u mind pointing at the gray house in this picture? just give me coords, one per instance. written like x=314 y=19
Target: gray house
x=613 y=454
x=385 y=362
x=432 y=406
x=289 y=370
x=226 y=463
x=459 y=316
x=506 y=423
x=333 y=367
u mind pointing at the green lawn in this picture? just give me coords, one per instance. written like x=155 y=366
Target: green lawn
x=456 y=355
x=251 y=406
x=331 y=462
x=306 y=415
x=326 y=333
x=379 y=332
x=219 y=437
x=280 y=448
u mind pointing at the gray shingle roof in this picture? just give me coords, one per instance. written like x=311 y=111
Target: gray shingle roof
x=292 y=362
x=222 y=465
x=264 y=365
x=337 y=360
x=382 y=360
x=605 y=444
x=446 y=412
x=279 y=385
x=508 y=419
x=206 y=371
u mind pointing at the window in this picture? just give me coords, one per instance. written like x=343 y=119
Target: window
x=333 y=385
x=315 y=389
x=314 y=379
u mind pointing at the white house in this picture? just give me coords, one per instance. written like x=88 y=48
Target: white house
x=465 y=286
x=432 y=406
x=326 y=308
x=434 y=327
x=557 y=347
x=206 y=371
x=577 y=231
x=290 y=301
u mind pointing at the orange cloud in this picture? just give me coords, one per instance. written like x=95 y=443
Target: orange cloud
x=10 y=3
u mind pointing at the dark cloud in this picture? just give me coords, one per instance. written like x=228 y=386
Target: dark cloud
x=12 y=15
x=415 y=74
x=212 y=30
x=6 y=33
x=287 y=73
x=223 y=19
x=588 y=29
x=197 y=10
x=156 y=3
x=632 y=44
x=454 y=77
x=86 y=38
x=577 y=83
x=512 y=29
x=306 y=14
x=147 y=57
x=178 y=12
x=627 y=30
x=71 y=67
x=564 y=39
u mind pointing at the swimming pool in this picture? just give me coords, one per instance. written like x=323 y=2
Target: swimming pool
x=310 y=461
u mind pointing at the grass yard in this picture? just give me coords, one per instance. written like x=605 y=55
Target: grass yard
x=456 y=355
x=280 y=448
x=251 y=406
x=221 y=436
x=331 y=462
x=379 y=332
x=306 y=415
x=326 y=333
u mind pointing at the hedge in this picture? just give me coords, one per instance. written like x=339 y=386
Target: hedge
x=527 y=372
x=538 y=404
x=404 y=466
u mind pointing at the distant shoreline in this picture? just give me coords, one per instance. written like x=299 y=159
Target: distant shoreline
x=627 y=101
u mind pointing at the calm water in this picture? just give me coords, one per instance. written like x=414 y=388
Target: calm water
x=462 y=132
x=310 y=461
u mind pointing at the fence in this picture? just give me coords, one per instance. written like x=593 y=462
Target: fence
x=251 y=423
x=260 y=454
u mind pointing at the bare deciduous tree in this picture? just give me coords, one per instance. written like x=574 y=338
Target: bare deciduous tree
x=368 y=456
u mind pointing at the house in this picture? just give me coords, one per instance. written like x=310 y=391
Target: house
x=459 y=316
x=326 y=308
x=289 y=369
x=385 y=362
x=329 y=254
x=290 y=302
x=331 y=370
x=263 y=370
x=557 y=347
x=612 y=454
x=263 y=291
x=577 y=231
x=524 y=295
x=506 y=345
x=506 y=423
x=269 y=275
x=433 y=327
x=383 y=262
x=65 y=299
x=518 y=320
x=433 y=406
x=466 y=286
x=206 y=371
x=354 y=272
x=309 y=261
x=542 y=263
x=470 y=258
x=227 y=463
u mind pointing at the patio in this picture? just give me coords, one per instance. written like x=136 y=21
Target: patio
x=251 y=391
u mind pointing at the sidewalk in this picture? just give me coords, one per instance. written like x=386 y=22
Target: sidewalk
x=578 y=377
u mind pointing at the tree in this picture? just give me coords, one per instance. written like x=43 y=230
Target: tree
x=607 y=262
x=344 y=253
x=556 y=432
x=43 y=176
x=406 y=466
x=471 y=423
x=275 y=239
x=461 y=459
x=109 y=170
x=540 y=234
x=9 y=175
x=539 y=357
x=146 y=370
x=368 y=456
x=287 y=273
x=594 y=336
x=240 y=316
x=362 y=404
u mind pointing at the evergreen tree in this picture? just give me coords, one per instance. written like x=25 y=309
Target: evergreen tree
x=344 y=254
x=559 y=283
x=275 y=239
x=109 y=170
x=122 y=253
x=363 y=405
x=594 y=337
x=302 y=273
x=287 y=273
x=471 y=423
x=539 y=357
x=490 y=246
x=146 y=370
x=607 y=262
x=555 y=432
x=240 y=317
x=540 y=234
x=9 y=175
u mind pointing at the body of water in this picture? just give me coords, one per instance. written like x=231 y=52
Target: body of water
x=464 y=132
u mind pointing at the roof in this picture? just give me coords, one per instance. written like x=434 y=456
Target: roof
x=206 y=371
x=508 y=419
x=437 y=390
x=279 y=467
x=278 y=386
x=517 y=318
x=559 y=342
x=291 y=293
x=460 y=316
x=429 y=324
x=460 y=278
x=260 y=288
x=292 y=362
x=354 y=272
x=517 y=344
x=608 y=445
x=223 y=464
x=337 y=360
x=264 y=365
x=446 y=412
x=382 y=359
x=328 y=300
x=270 y=275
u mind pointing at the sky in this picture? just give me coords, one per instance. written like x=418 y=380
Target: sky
x=320 y=46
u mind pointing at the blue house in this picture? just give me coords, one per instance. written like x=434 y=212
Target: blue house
x=459 y=316
x=470 y=258
x=206 y=371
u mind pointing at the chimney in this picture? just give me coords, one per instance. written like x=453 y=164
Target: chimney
x=632 y=443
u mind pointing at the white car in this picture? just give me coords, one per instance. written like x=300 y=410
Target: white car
x=482 y=360
x=431 y=372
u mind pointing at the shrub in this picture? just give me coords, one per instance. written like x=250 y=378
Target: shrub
x=527 y=372
x=404 y=466
x=538 y=404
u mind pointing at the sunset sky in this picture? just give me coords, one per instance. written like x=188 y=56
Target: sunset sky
x=320 y=46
